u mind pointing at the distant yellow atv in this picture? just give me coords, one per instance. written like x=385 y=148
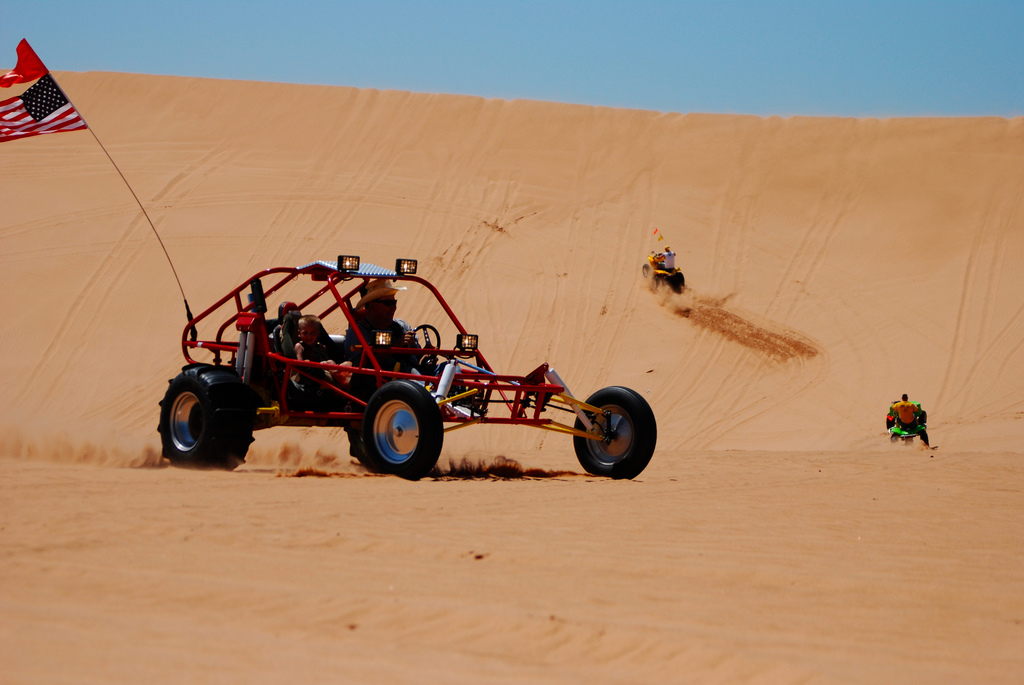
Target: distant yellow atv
x=661 y=266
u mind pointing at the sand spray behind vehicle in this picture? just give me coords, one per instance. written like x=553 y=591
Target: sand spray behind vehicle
x=767 y=339
x=500 y=468
x=65 y=449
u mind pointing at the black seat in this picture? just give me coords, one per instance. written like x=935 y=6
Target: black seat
x=287 y=333
x=275 y=326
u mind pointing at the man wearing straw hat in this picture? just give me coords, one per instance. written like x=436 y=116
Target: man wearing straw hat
x=380 y=304
x=375 y=311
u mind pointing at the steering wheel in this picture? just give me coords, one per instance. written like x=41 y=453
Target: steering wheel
x=428 y=360
x=427 y=330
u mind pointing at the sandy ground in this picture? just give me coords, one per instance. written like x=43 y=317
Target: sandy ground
x=777 y=536
x=712 y=567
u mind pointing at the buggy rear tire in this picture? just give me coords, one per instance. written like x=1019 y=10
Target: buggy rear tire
x=633 y=435
x=206 y=418
x=403 y=432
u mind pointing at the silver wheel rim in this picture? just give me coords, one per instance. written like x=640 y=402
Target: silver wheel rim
x=186 y=428
x=396 y=432
x=616 y=450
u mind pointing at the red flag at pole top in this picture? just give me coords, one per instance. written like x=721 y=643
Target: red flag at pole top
x=43 y=108
x=29 y=67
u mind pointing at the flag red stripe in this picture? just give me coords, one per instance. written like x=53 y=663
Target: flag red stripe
x=16 y=122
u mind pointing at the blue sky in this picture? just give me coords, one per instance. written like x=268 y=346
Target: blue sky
x=863 y=58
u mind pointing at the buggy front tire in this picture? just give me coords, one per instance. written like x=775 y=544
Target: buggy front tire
x=402 y=430
x=206 y=418
x=631 y=434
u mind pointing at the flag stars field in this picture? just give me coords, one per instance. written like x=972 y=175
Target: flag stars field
x=41 y=109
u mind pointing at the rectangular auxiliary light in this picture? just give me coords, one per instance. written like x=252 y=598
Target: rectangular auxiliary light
x=405 y=267
x=381 y=339
x=467 y=342
x=348 y=262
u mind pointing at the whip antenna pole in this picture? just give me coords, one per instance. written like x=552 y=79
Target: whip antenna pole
x=148 y=220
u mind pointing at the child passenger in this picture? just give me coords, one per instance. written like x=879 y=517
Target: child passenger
x=309 y=349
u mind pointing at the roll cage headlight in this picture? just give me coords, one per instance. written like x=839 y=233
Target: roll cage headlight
x=348 y=263
x=405 y=267
x=467 y=342
x=381 y=339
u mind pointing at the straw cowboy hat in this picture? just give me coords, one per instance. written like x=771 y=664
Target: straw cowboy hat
x=377 y=289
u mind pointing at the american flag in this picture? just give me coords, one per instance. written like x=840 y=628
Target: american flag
x=40 y=109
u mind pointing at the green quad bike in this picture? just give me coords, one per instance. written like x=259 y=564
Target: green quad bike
x=907 y=432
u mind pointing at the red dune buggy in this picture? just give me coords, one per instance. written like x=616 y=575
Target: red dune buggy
x=396 y=414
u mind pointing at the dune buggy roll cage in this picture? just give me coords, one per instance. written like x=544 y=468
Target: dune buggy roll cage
x=465 y=386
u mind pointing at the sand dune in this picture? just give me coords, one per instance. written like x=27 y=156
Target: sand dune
x=777 y=536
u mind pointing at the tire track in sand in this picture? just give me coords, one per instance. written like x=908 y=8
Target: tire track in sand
x=771 y=343
x=981 y=279
x=775 y=346
x=788 y=360
x=81 y=314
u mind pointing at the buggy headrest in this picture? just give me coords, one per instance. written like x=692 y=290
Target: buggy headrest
x=290 y=331
x=284 y=308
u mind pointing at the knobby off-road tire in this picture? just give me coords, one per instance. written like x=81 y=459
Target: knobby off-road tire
x=634 y=434
x=402 y=430
x=206 y=418
x=677 y=281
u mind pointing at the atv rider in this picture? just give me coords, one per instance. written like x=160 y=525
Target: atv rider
x=665 y=261
x=668 y=259
x=910 y=417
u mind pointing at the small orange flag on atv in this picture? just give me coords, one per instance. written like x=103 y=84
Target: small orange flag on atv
x=660 y=237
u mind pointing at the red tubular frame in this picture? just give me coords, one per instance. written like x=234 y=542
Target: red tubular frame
x=525 y=397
